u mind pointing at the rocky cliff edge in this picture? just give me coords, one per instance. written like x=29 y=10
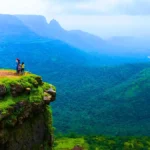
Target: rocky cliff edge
x=25 y=114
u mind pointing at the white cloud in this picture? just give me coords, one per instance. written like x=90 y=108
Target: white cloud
x=101 y=17
x=40 y=7
x=107 y=6
x=107 y=26
x=86 y=7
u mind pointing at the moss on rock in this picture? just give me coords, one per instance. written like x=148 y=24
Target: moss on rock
x=22 y=108
x=15 y=89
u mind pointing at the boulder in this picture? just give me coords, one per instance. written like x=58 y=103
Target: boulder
x=51 y=92
x=47 y=99
x=16 y=89
x=23 y=103
x=39 y=80
x=3 y=90
x=28 y=91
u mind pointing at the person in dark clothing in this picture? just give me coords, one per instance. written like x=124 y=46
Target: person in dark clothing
x=17 y=66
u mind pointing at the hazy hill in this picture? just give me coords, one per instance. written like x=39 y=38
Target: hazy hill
x=76 y=38
x=105 y=100
x=115 y=46
x=39 y=55
x=13 y=30
x=37 y=24
x=130 y=41
x=131 y=45
x=19 y=40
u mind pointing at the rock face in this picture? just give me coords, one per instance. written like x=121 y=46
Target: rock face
x=49 y=96
x=28 y=136
x=16 y=89
x=2 y=90
x=25 y=116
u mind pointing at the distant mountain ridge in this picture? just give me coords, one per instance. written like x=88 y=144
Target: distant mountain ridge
x=34 y=29
x=118 y=45
x=130 y=41
x=76 y=38
x=24 y=38
x=13 y=30
x=37 y=24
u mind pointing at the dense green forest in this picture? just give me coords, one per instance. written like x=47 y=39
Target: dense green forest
x=104 y=100
x=91 y=99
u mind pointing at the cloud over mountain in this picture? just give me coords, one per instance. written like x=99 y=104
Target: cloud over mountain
x=86 y=7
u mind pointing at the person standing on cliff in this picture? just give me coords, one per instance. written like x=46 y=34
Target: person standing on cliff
x=17 y=65
x=22 y=68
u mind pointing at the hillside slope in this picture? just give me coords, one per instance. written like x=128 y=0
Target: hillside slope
x=103 y=100
x=121 y=46
x=14 y=31
x=34 y=29
x=76 y=38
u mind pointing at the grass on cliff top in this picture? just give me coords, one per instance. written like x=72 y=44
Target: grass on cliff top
x=8 y=77
x=28 y=80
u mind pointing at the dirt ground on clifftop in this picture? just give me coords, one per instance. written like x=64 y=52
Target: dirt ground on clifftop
x=8 y=73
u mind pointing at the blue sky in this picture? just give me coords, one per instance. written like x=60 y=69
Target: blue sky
x=105 y=18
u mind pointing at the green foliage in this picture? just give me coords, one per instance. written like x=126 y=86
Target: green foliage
x=47 y=86
x=103 y=143
x=70 y=143
x=48 y=119
x=36 y=95
x=26 y=81
x=8 y=101
x=102 y=100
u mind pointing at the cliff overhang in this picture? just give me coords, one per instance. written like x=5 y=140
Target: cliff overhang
x=24 y=101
